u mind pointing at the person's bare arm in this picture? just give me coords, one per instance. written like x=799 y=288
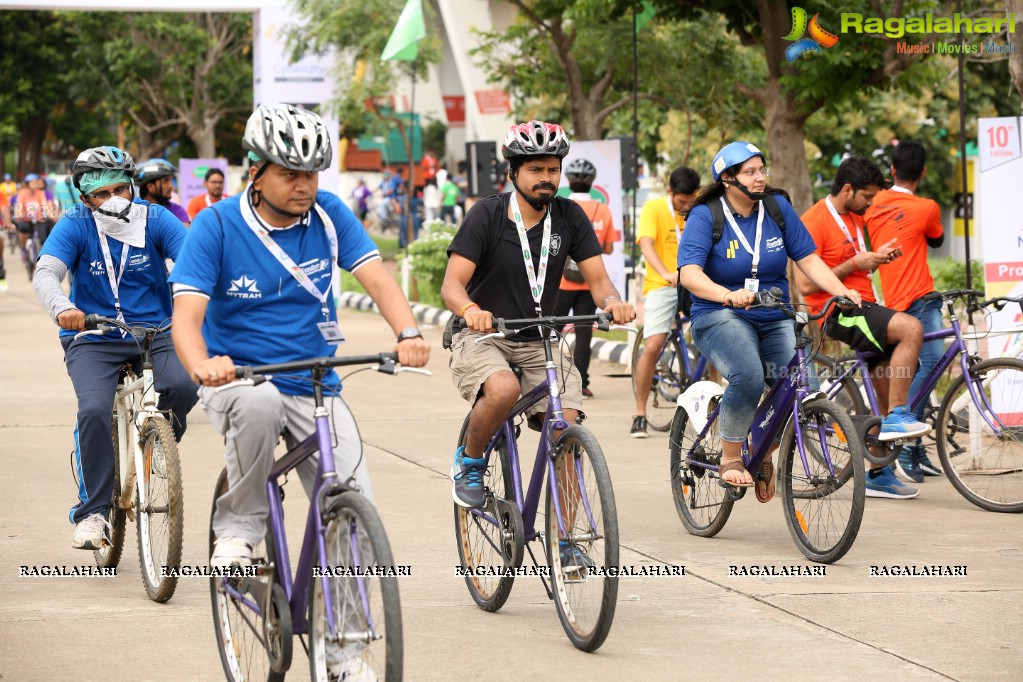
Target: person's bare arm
x=653 y=261
x=456 y=298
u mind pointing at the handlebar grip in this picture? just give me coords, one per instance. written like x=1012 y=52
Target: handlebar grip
x=933 y=296
x=93 y=321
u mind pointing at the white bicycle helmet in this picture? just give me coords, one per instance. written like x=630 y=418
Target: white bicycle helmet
x=100 y=159
x=288 y=136
x=535 y=138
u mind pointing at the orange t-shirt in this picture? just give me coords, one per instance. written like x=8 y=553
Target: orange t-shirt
x=911 y=220
x=198 y=203
x=600 y=215
x=835 y=248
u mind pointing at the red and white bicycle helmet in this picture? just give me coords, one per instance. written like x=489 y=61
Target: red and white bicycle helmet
x=535 y=138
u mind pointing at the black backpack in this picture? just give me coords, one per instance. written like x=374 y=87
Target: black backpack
x=685 y=299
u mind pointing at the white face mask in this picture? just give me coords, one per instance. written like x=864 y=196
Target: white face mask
x=131 y=229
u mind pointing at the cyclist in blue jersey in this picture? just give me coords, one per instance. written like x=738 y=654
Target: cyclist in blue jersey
x=115 y=249
x=155 y=180
x=253 y=286
x=748 y=346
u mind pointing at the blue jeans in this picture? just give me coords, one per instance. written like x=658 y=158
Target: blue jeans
x=746 y=353
x=929 y=314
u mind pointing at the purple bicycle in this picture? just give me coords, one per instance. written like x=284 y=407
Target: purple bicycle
x=344 y=594
x=580 y=535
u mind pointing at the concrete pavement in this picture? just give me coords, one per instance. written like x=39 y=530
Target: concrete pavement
x=846 y=625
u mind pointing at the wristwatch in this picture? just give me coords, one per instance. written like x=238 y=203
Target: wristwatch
x=409 y=333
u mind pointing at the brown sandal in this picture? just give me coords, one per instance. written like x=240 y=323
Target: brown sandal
x=765 y=482
x=735 y=465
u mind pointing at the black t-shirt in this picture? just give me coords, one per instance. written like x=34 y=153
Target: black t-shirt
x=489 y=238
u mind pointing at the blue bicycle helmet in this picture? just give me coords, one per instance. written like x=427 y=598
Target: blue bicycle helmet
x=154 y=169
x=734 y=154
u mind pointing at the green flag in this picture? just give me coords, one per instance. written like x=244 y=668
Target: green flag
x=410 y=29
x=646 y=15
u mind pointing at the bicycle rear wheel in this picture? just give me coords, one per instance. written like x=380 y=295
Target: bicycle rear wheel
x=669 y=380
x=985 y=467
x=491 y=539
x=240 y=629
x=702 y=504
x=366 y=608
x=823 y=507
x=160 y=523
x=110 y=555
x=584 y=559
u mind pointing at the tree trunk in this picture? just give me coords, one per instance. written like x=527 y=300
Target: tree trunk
x=204 y=139
x=1016 y=58
x=786 y=130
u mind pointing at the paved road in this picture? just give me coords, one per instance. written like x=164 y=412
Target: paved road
x=846 y=625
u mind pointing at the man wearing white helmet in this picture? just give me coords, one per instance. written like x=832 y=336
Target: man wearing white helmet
x=487 y=277
x=240 y=297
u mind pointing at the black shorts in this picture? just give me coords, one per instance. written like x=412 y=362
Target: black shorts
x=863 y=329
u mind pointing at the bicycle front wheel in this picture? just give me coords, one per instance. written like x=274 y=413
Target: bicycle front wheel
x=702 y=503
x=364 y=601
x=109 y=555
x=241 y=630
x=490 y=539
x=823 y=504
x=160 y=522
x=985 y=464
x=583 y=557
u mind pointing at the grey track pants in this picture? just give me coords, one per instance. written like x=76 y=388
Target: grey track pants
x=252 y=418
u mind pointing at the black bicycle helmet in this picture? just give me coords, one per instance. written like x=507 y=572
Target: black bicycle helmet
x=535 y=138
x=100 y=159
x=580 y=171
x=154 y=169
x=288 y=136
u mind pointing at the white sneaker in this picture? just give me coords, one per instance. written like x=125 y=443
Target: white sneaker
x=228 y=551
x=91 y=532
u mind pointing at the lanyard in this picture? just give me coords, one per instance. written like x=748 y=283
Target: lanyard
x=755 y=252
x=115 y=280
x=536 y=283
x=845 y=230
x=674 y=220
x=285 y=260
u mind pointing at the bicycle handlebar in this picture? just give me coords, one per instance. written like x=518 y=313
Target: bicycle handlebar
x=952 y=294
x=772 y=299
x=1000 y=302
x=509 y=327
x=384 y=362
x=100 y=324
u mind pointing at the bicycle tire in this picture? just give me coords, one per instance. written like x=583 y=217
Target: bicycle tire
x=159 y=543
x=239 y=629
x=586 y=602
x=824 y=535
x=374 y=640
x=669 y=380
x=110 y=556
x=849 y=396
x=985 y=469
x=482 y=546
x=692 y=487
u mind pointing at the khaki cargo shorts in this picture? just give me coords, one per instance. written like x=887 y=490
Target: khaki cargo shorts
x=473 y=363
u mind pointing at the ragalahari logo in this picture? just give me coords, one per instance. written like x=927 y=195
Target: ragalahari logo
x=819 y=37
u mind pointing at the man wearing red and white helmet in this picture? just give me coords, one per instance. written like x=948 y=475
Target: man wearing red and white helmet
x=487 y=277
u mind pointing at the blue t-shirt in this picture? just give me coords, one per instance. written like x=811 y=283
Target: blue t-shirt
x=258 y=313
x=143 y=289
x=729 y=264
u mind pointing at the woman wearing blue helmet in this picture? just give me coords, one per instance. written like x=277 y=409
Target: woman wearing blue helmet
x=751 y=255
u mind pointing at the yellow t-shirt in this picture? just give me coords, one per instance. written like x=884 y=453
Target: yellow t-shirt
x=659 y=221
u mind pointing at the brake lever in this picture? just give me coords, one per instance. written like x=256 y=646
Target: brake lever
x=417 y=370
x=490 y=336
x=98 y=331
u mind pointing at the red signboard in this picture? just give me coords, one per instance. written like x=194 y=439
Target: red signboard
x=454 y=108
x=493 y=101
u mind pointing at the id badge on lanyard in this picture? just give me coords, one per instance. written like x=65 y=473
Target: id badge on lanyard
x=537 y=278
x=752 y=282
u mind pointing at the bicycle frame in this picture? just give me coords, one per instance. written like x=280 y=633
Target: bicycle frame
x=958 y=348
x=136 y=404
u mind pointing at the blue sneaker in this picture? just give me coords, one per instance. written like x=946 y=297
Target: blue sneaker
x=901 y=424
x=884 y=484
x=467 y=480
x=574 y=558
x=908 y=463
x=927 y=466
